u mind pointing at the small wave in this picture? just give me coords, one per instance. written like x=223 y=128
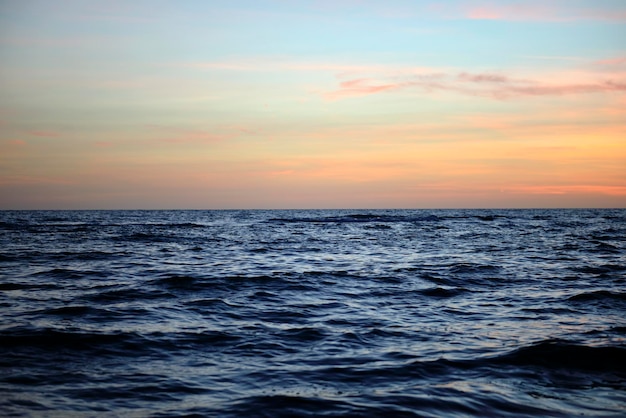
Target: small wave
x=598 y=295
x=62 y=273
x=8 y=258
x=212 y=302
x=159 y=389
x=177 y=282
x=440 y=292
x=127 y=294
x=558 y=354
x=489 y=217
x=303 y=335
x=360 y=218
x=378 y=227
x=549 y=311
x=603 y=247
x=187 y=339
x=189 y=282
x=600 y=269
x=10 y=226
x=472 y=268
x=90 y=255
x=51 y=339
x=464 y=278
x=146 y=237
x=79 y=310
x=93 y=314
x=289 y=406
x=117 y=343
x=184 y=225
x=27 y=286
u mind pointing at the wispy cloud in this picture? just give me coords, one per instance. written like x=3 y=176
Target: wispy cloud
x=529 y=11
x=45 y=134
x=361 y=87
x=177 y=135
x=568 y=189
x=555 y=58
x=490 y=85
x=612 y=63
x=368 y=79
x=516 y=10
x=267 y=64
x=26 y=180
x=501 y=12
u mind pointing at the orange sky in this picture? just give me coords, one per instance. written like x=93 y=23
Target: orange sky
x=312 y=104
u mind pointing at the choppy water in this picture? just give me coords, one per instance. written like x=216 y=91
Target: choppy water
x=313 y=313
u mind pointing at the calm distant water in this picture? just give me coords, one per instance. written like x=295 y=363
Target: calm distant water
x=404 y=313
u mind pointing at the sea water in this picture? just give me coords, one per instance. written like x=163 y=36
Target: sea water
x=335 y=313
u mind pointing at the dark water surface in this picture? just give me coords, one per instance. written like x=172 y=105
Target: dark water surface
x=313 y=313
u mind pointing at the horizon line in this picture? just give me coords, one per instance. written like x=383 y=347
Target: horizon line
x=310 y=209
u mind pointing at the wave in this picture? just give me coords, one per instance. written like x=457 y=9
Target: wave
x=124 y=344
x=28 y=286
x=94 y=314
x=441 y=292
x=127 y=295
x=602 y=269
x=350 y=403
x=189 y=282
x=473 y=268
x=598 y=296
x=64 y=273
x=4 y=258
x=360 y=218
x=561 y=354
x=546 y=354
x=76 y=310
x=46 y=339
x=296 y=405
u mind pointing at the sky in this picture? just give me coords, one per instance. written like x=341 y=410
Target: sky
x=243 y=104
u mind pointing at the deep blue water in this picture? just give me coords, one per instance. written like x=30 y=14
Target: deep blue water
x=369 y=313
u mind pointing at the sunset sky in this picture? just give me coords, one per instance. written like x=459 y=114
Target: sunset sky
x=212 y=104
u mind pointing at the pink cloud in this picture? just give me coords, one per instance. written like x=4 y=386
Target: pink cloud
x=45 y=134
x=475 y=84
x=517 y=10
x=483 y=78
x=366 y=86
x=193 y=137
x=559 y=90
x=612 y=61
x=611 y=64
x=360 y=87
x=526 y=11
x=483 y=13
x=103 y=144
x=174 y=135
x=502 y=12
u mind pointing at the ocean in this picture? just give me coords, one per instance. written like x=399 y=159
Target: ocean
x=313 y=313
